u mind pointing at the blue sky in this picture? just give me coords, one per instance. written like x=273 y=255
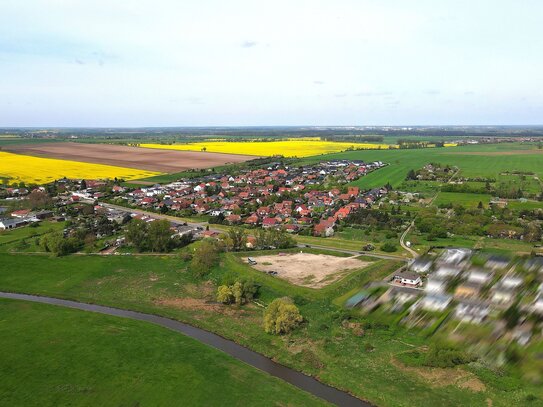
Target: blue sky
x=198 y=63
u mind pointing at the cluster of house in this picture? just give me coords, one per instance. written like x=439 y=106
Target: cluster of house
x=278 y=196
x=474 y=293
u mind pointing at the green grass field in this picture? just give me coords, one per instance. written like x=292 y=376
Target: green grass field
x=323 y=346
x=25 y=239
x=473 y=161
x=56 y=356
x=467 y=200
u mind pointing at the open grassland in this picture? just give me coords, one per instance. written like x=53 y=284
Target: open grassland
x=35 y=170
x=287 y=148
x=473 y=161
x=467 y=200
x=57 y=356
x=26 y=239
x=324 y=346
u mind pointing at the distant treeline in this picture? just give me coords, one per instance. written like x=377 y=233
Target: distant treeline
x=336 y=133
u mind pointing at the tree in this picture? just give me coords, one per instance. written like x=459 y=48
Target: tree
x=480 y=205
x=39 y=199
x=237 y=239
x=240 y=291
x=511 y=316
x=225 y=295
x=389 y=247
x=160 y=236
x=137 y=234
x=56 y=243
x=237 y=292
x=281 y=316
x=205 y=257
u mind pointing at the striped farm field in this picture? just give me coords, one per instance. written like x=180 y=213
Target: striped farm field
x=37 y=170
x=485 y=160
x=287 y=148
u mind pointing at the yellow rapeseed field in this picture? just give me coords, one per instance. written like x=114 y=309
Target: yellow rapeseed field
x=36 y=170
x=287 y=148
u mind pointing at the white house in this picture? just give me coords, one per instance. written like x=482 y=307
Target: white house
x=435 y=285
x=501 y=295
x=511 y=282
x=447 y=271
x=479 y=277
x=455 y=256
x=470 y=312
x=435 y=302
x=497 y=262
x=421 y=265
x=406 y=278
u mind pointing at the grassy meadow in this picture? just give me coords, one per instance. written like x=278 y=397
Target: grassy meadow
x=51 y=356
x=473 y=161
x=325 y=346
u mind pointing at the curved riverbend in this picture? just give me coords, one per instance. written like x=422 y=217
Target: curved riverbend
x=235 y=350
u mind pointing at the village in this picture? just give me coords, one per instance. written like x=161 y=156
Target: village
x=502 y=296
x=293 y=199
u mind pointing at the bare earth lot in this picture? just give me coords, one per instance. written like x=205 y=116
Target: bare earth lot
x=132 y=157
x=307 y=269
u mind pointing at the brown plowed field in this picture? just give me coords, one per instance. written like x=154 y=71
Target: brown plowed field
x=132 y=157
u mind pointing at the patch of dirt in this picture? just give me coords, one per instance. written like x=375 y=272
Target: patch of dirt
x=199 y=304
x=307 y=269
x=441 y=377
x=196 y=304
x=150 y=159
x=204 y=290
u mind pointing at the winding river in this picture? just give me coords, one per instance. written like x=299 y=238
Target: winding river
x=235 y=350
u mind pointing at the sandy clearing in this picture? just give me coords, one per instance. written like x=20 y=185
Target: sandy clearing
x=307 y=269
x=441 y=377
x=131 y=157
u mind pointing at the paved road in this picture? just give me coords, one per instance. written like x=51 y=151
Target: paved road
x=402 y=241
x=233 y=349
x=204 y=225
x=160 y=216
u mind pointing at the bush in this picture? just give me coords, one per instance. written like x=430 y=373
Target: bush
x=281 y=316
x=389 y=247
x=225 y=294
x=205 y=257
x=56 y=243
x=240 y=292
x=444 y=356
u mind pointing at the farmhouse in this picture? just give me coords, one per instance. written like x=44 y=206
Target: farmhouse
x=406 y=278
x=6 y=224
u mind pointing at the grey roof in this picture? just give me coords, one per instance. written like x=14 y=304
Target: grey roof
x=407 y=274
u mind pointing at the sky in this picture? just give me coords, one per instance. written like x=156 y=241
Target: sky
x=106 y=63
